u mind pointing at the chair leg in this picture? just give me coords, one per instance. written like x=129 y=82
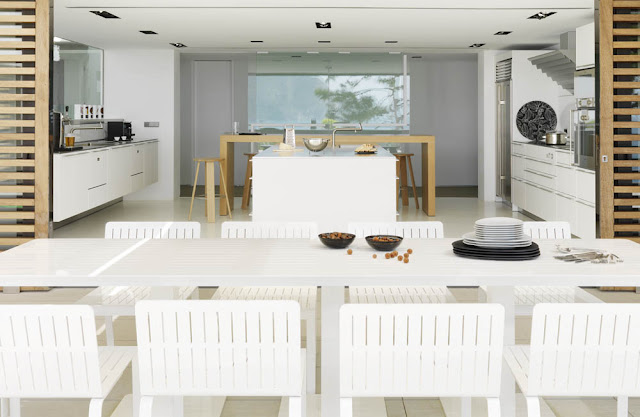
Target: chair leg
x=493 y=407
x=246 y=191
x=193 y=193
x=404 y=186
x=346 y=407
x=413 y=183
x=135 y=386
x=623 y=406
x=146 y=406
x=295 y=407
x=226 y=191
x=95 y=407
x=465 y=407
x=14 y=407
x=311 y=354
x=108 y=330
x=533 y=406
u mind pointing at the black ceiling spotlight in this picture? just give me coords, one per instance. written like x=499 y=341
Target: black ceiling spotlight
x=296 y=56
x=324 y=41
x=148 y=32
x=416 y=56
x=323 y=25
x=541 y=15
x=105 y=14
x=178 y=45
x=257 y=41
x=390 y=41
x=476 y=45
x=503 y=32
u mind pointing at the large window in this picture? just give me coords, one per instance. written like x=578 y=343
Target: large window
x=322 y=91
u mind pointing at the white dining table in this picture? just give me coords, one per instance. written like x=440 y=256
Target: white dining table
x=260 y=262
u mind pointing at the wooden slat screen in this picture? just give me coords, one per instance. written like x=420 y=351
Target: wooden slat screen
x=24 y=121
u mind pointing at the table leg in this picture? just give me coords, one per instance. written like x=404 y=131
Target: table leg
x=227 y=153
x=332 y=300
x=404 y=184
x=505 y=296
x=210 y=191
x=429 y=178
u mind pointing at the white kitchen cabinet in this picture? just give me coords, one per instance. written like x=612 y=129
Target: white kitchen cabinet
x=518 y=167
x=586 y=186
x=564 y=158
x=541 y=202
x=566 y=180
x=150 y=163
x=585 y=46
x=87 y=179
x=518 y=192
x=585 y=220
x=566 y=210
x=119 y=178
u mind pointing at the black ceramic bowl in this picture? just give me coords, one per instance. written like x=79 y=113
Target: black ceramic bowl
x=336 y=243
x=384 y=246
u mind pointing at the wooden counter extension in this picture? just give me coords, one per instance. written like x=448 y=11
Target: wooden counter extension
x=227 y=145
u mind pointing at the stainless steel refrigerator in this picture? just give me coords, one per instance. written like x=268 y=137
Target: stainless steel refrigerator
x=503 y=130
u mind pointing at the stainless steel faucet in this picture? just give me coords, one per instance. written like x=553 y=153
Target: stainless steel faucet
x=343 y=129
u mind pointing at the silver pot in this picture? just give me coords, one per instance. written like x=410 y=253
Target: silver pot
x=555 y=138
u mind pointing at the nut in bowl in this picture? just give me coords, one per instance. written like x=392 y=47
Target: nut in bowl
x=384 y=242
x=336 y=240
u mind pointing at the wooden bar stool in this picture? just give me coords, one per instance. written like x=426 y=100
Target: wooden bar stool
x=246 y=193
x=209 y=187
x=404 y=159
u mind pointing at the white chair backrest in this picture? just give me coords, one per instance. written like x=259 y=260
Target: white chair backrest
x=548 y=230
x=48 y=352
x=269 y=230
x=585 y=350
x=204 y=347
x=409 y=230
x=407 y=350
x=152 y=230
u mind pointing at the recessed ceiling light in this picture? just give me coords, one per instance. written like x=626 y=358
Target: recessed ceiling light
x=262 y=52
x=344 y=52
x=105 y=14
x=390 y=41
x=257 y=41
x=476 y=45
x=503 y=32
x=324 y=41
x=313 y=52
x=178 y=45
x=394 y=53
x=323 y=25
x=541 y=15
x=148 y=32
x=296 y=56
x=416 y=56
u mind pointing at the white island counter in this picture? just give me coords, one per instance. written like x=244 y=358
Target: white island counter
x=331 y=187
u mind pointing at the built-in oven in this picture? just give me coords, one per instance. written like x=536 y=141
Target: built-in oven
x=584 y=126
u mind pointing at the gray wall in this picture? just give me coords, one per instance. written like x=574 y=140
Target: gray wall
x=444 y=99
x=240 y=71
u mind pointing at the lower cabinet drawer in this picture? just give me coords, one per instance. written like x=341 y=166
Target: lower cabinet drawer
x=585 y=227
x=564 y=158
x=518 y=167
x=586 y=186
x=541 y=179
x=566 y=210
x=566 y=181
x=541 y=202
x=137 y=182
x=98 y=195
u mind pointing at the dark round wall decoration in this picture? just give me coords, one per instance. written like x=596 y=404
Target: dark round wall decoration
x=536 y=118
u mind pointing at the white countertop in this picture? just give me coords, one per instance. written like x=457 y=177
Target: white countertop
x=328 y=153
x=104 y=146
x=286 y=262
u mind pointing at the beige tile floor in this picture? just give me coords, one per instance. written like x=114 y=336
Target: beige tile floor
x=458 y=216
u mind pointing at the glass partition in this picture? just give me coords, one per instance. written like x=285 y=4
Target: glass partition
x=77 y=75
x=321 y=91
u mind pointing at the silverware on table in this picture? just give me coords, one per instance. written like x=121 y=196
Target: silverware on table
x=579 y=255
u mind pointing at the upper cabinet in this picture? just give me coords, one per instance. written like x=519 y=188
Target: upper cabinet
x=586 y=46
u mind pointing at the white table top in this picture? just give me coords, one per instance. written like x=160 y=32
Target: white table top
x=328 y=153
x=210 y=262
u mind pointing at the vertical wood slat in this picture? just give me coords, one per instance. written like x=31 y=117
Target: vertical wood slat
x=606 y=118
x=25 y=68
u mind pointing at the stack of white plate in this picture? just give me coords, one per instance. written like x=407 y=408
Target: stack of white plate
x=498 y=232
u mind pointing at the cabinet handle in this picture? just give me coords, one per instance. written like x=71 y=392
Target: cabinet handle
x=98 y=159
x=138 y=151
x=539 y=173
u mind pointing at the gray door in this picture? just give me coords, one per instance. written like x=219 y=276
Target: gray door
x=503 y=140
x=212 y=107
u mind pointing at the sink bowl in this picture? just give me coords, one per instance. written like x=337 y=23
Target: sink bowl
x=316 y=144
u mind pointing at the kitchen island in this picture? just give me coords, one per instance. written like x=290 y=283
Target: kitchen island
x=331 y=188
x=428 y=174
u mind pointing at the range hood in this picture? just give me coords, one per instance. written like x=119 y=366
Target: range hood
x=559 y=65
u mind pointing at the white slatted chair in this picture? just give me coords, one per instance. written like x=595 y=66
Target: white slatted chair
x=579 y=350
x=421 y=350
x=111 y=302
x=51 y=351
x=220 y=348
x=305 y=296
x=528 y=296
x=400 y=295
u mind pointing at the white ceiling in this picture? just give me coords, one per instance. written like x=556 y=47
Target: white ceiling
x=358 y=25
